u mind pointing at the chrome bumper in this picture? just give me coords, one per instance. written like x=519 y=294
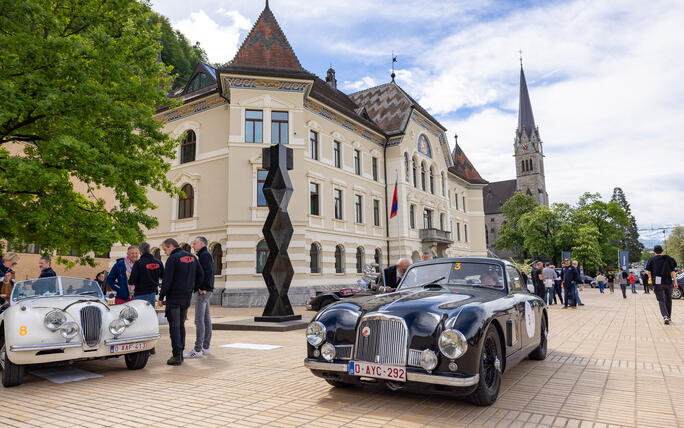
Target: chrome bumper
x=126 y=340
x=45 y=346
x=410 y=377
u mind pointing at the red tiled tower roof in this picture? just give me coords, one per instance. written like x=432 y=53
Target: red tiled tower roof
x=266 y=46
x=463 y=168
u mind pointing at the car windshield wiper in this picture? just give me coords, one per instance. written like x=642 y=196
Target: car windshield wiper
x=433 y=283
x=84 y=293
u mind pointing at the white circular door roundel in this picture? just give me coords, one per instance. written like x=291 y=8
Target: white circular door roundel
x=529 y=319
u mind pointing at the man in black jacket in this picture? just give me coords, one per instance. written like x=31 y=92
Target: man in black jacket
x=662 y=271
x=392 y=275
x=202 y=300
x=570 y=275
x=145 y=275
x=182 y=274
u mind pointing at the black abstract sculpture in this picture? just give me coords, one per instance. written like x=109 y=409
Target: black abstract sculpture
x=278 y=271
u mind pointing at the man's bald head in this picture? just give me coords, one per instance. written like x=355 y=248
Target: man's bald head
x=403 y=264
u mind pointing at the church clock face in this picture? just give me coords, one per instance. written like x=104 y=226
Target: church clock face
x=525 y=148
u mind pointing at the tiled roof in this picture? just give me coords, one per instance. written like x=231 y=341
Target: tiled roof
x=463 y=168
x=266 y=46
x=390 y=107
x=496 y=194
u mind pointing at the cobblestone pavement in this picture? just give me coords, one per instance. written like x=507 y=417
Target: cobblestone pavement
x=611 y=363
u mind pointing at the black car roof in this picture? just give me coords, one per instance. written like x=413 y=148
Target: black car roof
x=463 y=260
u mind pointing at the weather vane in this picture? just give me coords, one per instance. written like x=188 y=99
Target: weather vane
x=394 y=59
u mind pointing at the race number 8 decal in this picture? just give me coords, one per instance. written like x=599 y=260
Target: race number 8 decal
x=23 y=331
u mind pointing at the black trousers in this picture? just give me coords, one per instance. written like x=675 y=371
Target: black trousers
x=176 y=313
x=663 y=293
x=624 y=290
x=557 y=292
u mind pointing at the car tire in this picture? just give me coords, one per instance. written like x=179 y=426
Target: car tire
x=12 y=374
x=677 y=293
x=338 y=384
x=539 y=352
x=325 y=302
x=137 y=360
x=490 y=370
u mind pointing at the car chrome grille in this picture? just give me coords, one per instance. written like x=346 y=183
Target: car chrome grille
x=384 y=342
x=414 y=357
x=91 y=324
x=344 y=352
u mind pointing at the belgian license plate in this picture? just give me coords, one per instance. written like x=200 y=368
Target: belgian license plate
x=379 y=371
x=129 y=347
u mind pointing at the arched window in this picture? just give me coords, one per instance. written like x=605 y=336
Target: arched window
x=315 y=255
x=186 y=204
x=432 y=180
x=359 y=260
x=261 y=255
x=217 y=257
x=377 y=257
x=185 y=246
x=522 y=165
x=422 y=176
x=415 y=174
x=188 y=147
x=531 y=167
x=339 y=259
x=156 y=253
x=407 y=168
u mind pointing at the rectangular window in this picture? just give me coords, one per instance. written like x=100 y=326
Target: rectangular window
x=261 y=178
x=279 y=132
x=313 y=145
x=314 y=199
x=358 y=208
x=427 y=219
x=338 y=204
x=412 y=216
x=441 y=222
x=465 y=232
x=458 y=232
x=357 y=162
x=337 y=154
x=375 y=168
x=254 y=125
x=456 y=200
x=464 y=206
x=376 y=212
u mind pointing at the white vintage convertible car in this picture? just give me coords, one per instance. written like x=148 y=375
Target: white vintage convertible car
x=66 y=319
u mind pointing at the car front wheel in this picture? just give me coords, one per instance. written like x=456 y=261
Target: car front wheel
x=12 y=374
x=490 y=370
x=137 y=360
x=677 y=293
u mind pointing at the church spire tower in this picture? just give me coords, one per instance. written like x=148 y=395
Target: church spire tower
x=528 y=149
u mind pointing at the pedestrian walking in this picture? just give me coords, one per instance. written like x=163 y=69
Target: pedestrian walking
x=570 y=275
x=182 y=274
x=632 y=282
x=575 y=264
x=661 y=271
x=145 y=274
x=645 y=282
x=548 y=277
x=118 y=276
x=202 y=300
x=610 y=278
x=623 y=280
x=601 y=281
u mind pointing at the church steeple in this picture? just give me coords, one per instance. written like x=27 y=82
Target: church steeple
x=525 y=116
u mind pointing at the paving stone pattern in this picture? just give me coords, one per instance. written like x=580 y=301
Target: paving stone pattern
x=611 y=363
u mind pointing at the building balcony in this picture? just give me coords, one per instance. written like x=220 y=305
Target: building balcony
x=435 y=236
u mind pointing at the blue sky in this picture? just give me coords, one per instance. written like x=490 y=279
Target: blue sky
x=604 y=78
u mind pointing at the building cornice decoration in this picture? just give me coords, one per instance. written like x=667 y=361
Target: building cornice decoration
x=192 y=108
x=343 y=121
x=180 y=177
x=394 y=141
x=437 y=132
x=256 y=160
x=229 y=82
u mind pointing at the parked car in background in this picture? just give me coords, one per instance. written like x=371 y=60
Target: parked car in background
x=365 y=286
x=68 y=319
x=678 y=293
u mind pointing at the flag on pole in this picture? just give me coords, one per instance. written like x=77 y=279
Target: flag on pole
x=395 y=203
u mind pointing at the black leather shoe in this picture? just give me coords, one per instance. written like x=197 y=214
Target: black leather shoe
x=175 y=361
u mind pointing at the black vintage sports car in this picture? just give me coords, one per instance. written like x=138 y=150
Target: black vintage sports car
x=453 y=326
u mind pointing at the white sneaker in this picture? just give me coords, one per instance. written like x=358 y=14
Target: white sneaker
x=193 y=354
x=205 y=351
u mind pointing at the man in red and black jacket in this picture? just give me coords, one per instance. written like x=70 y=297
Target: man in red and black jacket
x=182 y=274
x=145 y=275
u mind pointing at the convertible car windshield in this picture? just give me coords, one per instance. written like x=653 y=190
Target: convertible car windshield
x=455 y=273
x=56 y=286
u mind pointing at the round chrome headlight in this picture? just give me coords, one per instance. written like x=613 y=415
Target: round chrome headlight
x=452 y=343
x=117 y=327
x=55 y=319
x=315 y=333
x=428 y=359
x=128 y=315
x=69 y=330
x=328 y=351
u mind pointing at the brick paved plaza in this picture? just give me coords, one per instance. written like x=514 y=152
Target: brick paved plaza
x=611 y=363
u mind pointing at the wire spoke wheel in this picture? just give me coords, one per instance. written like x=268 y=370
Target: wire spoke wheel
x=489 y=362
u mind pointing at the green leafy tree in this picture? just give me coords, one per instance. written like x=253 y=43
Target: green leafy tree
x=674 y=244
x=608 y=218
x=80 y=82
x=510 y=236
x=588 y=251
x=178 y=52
x=630 y=241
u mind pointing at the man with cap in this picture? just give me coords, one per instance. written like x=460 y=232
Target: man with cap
x=661 y=270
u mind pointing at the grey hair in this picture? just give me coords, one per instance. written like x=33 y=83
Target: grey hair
x=170 y=242
x=203 y=240
x=46 y=259
x=144 y=248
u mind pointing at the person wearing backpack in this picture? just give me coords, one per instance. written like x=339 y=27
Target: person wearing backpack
x=661 y=271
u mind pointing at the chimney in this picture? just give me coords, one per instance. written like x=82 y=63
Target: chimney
x=330 y=78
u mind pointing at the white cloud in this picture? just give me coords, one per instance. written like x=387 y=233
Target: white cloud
x=364 y=83
x=219 y=39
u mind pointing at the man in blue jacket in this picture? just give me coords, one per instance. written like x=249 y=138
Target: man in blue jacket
x=182 y=275
x=118 y=276
x=202 y=300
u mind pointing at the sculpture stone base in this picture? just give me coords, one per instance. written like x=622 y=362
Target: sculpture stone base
x=277 y=318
